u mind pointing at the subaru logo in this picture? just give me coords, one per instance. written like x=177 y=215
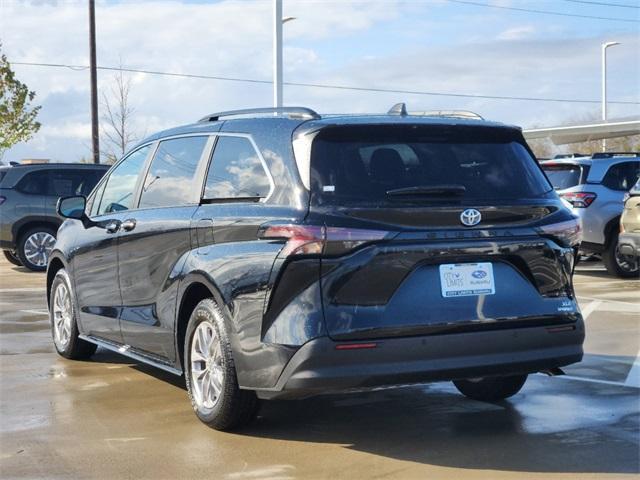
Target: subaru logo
x=470 y=217
x=479 y=274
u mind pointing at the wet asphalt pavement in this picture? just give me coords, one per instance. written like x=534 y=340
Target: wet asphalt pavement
x=112 y=418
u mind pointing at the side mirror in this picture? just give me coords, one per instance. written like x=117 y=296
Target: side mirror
x=72 y=207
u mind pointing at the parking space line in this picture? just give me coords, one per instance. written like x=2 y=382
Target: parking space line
x=594 y=380
x=18 y=290
x=637 y=305
x=36 y=312
x=589 y=309
x=633 y=377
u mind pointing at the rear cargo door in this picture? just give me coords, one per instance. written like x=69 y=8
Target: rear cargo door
x=459 y=205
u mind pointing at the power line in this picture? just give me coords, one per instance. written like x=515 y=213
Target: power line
x=606 y=4
x=544 y=12
x=321 y=85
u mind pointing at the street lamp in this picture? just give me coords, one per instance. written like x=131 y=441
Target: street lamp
x=604 y=85
x=277 y=51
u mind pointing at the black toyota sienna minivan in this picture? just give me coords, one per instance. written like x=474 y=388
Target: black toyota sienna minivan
x=279 y=254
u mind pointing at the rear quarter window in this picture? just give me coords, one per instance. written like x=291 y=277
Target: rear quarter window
x=622 y=176
x=33 y=183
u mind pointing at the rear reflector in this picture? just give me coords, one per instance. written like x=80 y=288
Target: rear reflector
x=355 y=346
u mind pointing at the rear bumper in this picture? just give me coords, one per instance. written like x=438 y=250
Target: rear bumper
x=318 y=367
x=629 y=243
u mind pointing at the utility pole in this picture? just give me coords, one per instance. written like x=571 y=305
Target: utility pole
x=95 y=135
x=277 y=53
x=604 y=86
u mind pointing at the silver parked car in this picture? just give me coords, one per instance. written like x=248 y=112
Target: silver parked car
x=596 y=186
x=28 y=197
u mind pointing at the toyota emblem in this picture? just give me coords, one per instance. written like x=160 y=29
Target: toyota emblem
x=470 y=217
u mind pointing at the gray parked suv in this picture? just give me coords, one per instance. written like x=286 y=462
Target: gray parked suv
x=596 y=186
x=28 y=196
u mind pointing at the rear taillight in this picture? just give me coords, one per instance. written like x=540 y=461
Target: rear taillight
x=2 y=199
x=568 y=232
x=312 y=239
x=579 y=199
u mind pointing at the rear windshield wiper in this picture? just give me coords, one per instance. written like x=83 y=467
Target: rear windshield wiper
x=429 y=190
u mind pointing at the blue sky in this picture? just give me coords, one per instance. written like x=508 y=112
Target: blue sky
x=434 y=45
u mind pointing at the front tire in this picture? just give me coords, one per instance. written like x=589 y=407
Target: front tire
x=34 y=247
x=63 y=319
x=623 y=266
x=11 y=257
x=491 y=389
x=210 y=372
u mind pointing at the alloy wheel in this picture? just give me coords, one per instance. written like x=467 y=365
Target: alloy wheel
x=627 y=263
x=37 y=248
x=207 y=366
x=62 y=316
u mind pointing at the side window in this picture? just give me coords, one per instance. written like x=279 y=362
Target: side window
x=89 y=180
x=34 y=183
x=622 y=176
x=64 y=183
x=170 y=180
x=120 y=187
x=236 y=171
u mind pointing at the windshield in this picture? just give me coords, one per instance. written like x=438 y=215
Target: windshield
x=563 y=176
x=421 y=164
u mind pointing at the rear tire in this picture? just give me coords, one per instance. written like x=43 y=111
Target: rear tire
x=11 y=257
x=491 y=389
x=623 y=266
x=210 y=372
x=63 y=319
x=34 y=247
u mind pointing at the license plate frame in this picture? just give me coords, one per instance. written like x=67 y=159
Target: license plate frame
x=467 y=279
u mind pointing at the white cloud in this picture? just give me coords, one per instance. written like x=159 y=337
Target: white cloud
x=517 y=33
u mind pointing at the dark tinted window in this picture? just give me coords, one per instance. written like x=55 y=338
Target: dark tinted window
x=361 y=164
x=119 y=191
x=236 y=171
x=622 y=176
x=34 y=183
x=170 y=180
x=563 y=176
x=64 y=183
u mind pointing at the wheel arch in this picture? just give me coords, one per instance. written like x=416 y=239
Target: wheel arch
x=195 y=288
x=27 y=223
x=56 y=263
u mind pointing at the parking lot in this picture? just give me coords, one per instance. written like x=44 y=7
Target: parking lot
x=113 y=418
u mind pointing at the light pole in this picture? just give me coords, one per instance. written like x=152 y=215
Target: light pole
x=95 y=135
x=277 y=51
x=604 y=85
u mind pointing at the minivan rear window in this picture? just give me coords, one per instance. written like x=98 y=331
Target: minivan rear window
x=391 y=164
x=563 y=176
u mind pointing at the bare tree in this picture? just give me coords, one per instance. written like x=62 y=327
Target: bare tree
x=118 y=114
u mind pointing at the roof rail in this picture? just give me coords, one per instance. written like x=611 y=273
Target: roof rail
x=614 y=154
x=570 y=155
x=450 y=113
x=400 y=109
x=291 y=112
